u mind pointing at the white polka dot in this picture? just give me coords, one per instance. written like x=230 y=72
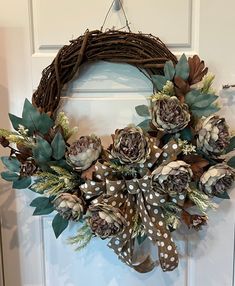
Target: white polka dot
x=162 y=201
x=148 y=207
x=160 y=223
x=150 y=165
x=119 y=182
x=181 y=197
x=97 y=188
x=96 y=168
x=92 y=183
x=104 y=167
x=128 y=203
x=155 y=211
x=117 y=242
x=168 y=265
x=157 y=194
x=150 y=238
x=157 y=155
x=119 y=249
x=151 y=196
x=131 y=211
x=150 y=231
x=169 y=247
x=165 y=154
x=172 y=259
x=165 y=255
x=112 y=188
x=159 y=234
x=141 y=165
x=88 y=197
x=174 y=146
x=145 y=219
x=131 y=187
x=106 y=174
x=124 y=253
x=150 y=223
x=165 y=235
x=144 y=184
x=95 y=201
x=124 y=235
x=153 y=219
x=174 y=201
x=161 y=254
x=162 y=243
x=145 y=178
x=98 y=176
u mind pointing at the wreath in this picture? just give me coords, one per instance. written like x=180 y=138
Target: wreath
x=143 y=187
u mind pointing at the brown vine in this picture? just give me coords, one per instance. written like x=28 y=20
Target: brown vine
x=141 y=50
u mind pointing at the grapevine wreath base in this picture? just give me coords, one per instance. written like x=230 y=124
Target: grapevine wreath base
x=143 y=186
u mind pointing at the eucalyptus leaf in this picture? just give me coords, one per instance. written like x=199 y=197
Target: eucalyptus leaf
x=182 y=68
x=199 y=112
x=22 y=183
x=59 y=224
x=34 y=120
x=9 y=176
x=192 y=96
x=169 y=70
x=58 y=146
x=224 y=195
x=11 y=163
x=43 y=206
x=44 y=211
x=159 y=81
x=142 y=110
x=15 y=121
x=42 y=151
x=145 y=124
x=186 y=134
x=231 y=145
x=208 y=100
x=231 y=162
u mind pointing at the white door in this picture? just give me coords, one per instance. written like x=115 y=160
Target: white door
x=31 y=32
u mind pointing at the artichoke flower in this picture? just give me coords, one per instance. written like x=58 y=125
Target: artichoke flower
x=217 y=180
x=130 y=145
x=169 y=114
x=173 y=178
x=69 y=206
x=213 y=135
x=105 y=221
x=83 y=152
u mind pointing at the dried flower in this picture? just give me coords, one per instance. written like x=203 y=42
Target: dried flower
x=169 y=115
x=217 y=180
x=173 y=178
x=130 y=145
x=69 y=206
x=213 y=135
x=83 y=152
x=105 y=220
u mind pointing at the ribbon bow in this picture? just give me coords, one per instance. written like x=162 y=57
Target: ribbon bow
x=137 y=197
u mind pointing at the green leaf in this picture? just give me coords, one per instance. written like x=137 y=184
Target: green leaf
x=42 y=151
x=186 y=134
x=141 y=238
x=224 y=195
x=142 y=110
x=34 y=120
x=199 y=112
x=182 y=68
x=43 y=206
x=15 y=121
x=192 y=96
x=11 y=163
x=169 y=70
x=58 y=146
x=231 y=145
x=59 y=224
x=9 y=176
x=231 y=162
x=22 y=183
x=159 y=81
x=206 y=100
x=145 y=124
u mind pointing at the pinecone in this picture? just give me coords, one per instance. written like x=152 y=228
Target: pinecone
x=69 y=206
x=213 y=135
x=28 y=168
x=169 y=115
x=83 y=152
x=105 y=221
x=173 y=178
x=130 y=145
x=217 y=180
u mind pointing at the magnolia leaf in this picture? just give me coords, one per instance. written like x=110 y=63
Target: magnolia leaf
x=224 y=195
x=43 y=206
x=231 y=145
x=15 y=121
x=58 y=146
x=142 y=110
x=59 y=224
x=22 y=183
x=9 y=176
x=11 y=163
x=34 y=120
x=186 y=134
x=231 y=162
x=42 y=151
x=199 y=112
x=182 y=68
x=191 y=97
x=169 y=70
x=145 y=124
x=44 y=211
x=208 y=100
x=159 y=81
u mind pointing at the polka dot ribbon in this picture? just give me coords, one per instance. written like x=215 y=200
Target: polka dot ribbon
x=132 y=197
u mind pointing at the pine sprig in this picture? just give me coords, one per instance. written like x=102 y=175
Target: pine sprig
x=83 y=237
